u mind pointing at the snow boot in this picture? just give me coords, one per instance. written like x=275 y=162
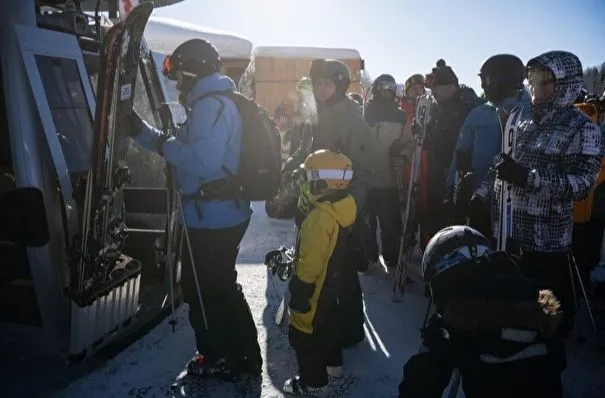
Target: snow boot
x=201 y=367
x=295 y=386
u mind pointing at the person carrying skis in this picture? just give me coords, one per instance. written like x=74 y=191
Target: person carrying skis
x=319 y=264
x=225 y=332
x=393 y=143
x=555 y=161
x=453 y=102
x=412 y=89
x=341 y=128
x=479 y=140
x=492 y=324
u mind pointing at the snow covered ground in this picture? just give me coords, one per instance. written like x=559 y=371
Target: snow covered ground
x=150 y=366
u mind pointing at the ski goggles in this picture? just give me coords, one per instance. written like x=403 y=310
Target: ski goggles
x=329 y=174
x=168 y=68
x=539 y=77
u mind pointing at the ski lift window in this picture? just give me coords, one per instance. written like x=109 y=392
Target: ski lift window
x=70 y=111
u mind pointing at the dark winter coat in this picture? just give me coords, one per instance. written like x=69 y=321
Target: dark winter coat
x=438 y=149
x=562 y=150
x=503 y=348
x=388 y=124
x=341 y=128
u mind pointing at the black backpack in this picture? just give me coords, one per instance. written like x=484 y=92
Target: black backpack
x=259 y=172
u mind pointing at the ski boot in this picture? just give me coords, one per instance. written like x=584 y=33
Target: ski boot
x=295 y=386
x=200 y=366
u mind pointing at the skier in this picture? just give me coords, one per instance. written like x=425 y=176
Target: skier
x=225 y=332
x=320 y=262
x=393 y=143
x=479 y=140
x=412 y=89
x=556 y=160
x=492 y=323
x=453 y=102
x=341 y=128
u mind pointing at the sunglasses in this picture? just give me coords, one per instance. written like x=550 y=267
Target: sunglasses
x=539 y=77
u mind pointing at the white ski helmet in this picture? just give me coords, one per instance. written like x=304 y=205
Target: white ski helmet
x=450 y=246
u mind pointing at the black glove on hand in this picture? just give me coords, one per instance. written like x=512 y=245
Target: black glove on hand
x=300 y=295
x=509 y=170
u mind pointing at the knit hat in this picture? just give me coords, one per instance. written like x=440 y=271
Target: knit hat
x=442 y=75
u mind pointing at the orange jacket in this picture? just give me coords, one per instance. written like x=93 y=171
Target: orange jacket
x=583 y=209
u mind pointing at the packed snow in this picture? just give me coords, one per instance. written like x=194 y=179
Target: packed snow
x=151 y=365
x=305 y=52
x=165 y=34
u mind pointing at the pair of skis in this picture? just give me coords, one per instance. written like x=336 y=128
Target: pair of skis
x=408 y=202
x=509 y=123
x=103 y=225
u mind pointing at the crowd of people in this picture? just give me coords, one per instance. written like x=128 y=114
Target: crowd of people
x=501 y=317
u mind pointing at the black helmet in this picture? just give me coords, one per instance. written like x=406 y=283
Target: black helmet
x=195 y=58
x=384 y=87
x=332 y=69
x=451 y=246
x=502 y=72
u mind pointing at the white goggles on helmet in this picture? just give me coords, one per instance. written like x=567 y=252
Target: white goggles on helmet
x=329 y=174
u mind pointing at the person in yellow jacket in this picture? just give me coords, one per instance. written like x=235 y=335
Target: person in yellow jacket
x=316 y=281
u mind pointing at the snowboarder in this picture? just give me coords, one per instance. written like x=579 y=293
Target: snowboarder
x=555 y=162
x=412 y=89
x=491 y=323
x=453 y=102
x=341 y=128
x=393 y=143
x=479 y=140
x=225 y=332
x=319 y=265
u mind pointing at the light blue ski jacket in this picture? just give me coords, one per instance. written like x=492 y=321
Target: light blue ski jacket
x=480 y=136
x=199 y=151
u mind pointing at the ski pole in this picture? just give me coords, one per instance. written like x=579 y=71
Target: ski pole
x=572 y=263
x=190 y=250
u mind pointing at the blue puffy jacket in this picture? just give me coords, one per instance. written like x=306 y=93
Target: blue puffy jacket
x=200 y=150
x=480 y=136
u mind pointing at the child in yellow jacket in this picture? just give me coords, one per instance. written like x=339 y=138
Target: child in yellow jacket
x=315 y=283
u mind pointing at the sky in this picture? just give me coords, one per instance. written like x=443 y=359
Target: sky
x=403 y=37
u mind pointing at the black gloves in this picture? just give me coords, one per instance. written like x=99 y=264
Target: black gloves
x=509 y=170
x=300 y=295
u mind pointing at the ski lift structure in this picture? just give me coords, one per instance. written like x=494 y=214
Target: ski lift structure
x=50 y=54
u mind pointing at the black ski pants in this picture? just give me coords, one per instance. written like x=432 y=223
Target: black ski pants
x=586 y=245
x=350 y=300
x=383 y=207
x=552 y=271
x=319 y=349
x=231 y=332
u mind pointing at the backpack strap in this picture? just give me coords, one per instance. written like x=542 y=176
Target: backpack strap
x=215 y=95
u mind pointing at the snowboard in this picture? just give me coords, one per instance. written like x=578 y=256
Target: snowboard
x=408 y=201
x=505 y=219
x=103 y=229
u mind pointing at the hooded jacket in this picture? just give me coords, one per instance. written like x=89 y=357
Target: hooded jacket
x=387 y=124
x=562 y=150
x=480 y=136
x=341 y=128
x=319 y=260
x=199 y=151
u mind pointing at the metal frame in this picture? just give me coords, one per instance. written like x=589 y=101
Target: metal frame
x=34 y=42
